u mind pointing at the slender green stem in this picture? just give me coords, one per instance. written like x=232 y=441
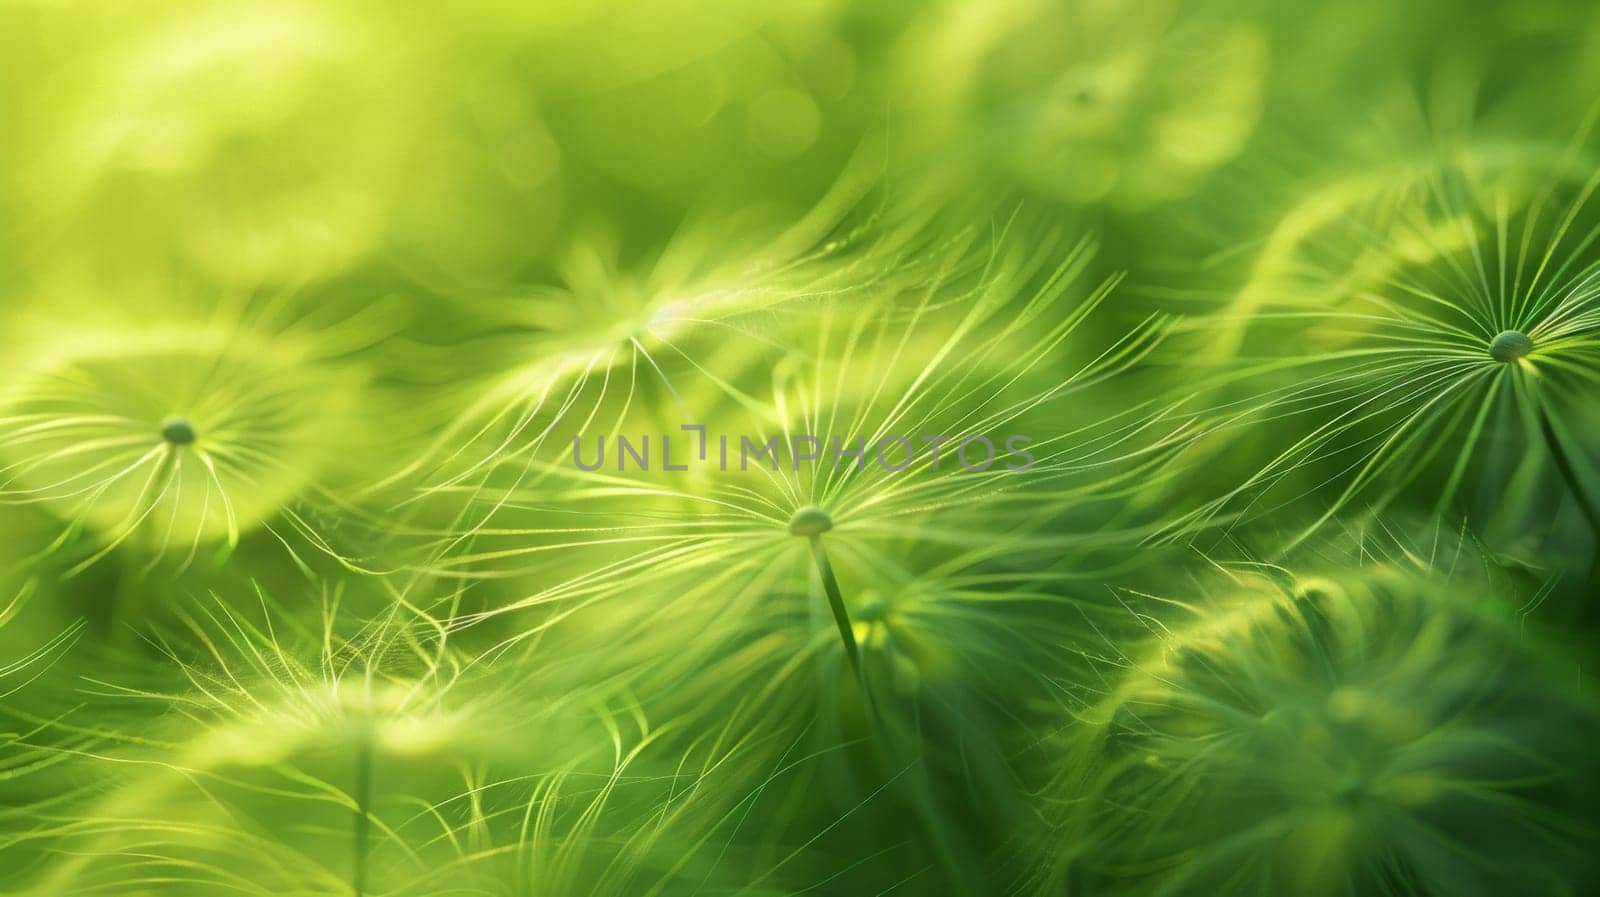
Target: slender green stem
x=946 y=846
x=1569 y=475
x=841 y=615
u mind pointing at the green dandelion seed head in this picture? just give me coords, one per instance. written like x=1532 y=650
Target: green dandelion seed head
x=90 y=433
x=1383 y=299
x=1339 y=725
x=274 y=726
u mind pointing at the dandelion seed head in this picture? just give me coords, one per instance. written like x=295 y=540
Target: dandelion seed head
x=173 y=437
x=618 y=334
x=887 y=392
x=1389 y=332
x=366 y=751
x=1340 y=707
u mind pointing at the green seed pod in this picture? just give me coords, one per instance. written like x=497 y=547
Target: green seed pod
x=809 y=521
x=1509 y=346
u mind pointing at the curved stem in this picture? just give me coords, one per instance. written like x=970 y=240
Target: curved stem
x=841 y=615
x=1569 y=473
x=919 y=791
x=1574 y=483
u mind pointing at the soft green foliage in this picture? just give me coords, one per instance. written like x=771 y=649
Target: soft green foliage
x=737 y=447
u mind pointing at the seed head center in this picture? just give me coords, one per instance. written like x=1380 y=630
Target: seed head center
x=1509 y=346
x=810 y=521
x=178 y=431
